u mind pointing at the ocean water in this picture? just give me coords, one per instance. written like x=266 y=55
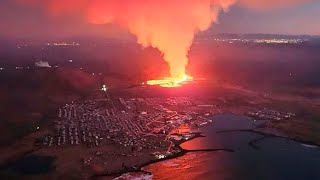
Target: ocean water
x=26 y=166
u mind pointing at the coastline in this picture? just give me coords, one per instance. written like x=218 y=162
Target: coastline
x=139 y=168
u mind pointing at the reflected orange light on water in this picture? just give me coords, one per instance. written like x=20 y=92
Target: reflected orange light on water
x=171 y=82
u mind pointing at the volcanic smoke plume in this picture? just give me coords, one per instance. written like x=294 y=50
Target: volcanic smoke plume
x=168 y=25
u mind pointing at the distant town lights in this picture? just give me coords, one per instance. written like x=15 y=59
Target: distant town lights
x=63 y=44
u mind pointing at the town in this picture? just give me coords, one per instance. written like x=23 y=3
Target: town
x=138 y=123
x=267 y=114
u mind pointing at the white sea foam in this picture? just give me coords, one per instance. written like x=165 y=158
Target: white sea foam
x=309 y=146
x=134 y=176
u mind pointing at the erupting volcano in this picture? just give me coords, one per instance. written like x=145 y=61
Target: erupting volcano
x=167 y=25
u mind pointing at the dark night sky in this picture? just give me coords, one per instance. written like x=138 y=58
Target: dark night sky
x=28 y=21
x=301 y=19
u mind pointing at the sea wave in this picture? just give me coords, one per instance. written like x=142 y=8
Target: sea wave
x=134 y=176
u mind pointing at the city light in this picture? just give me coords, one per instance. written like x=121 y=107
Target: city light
x=104 y=88
x=63 y=44
x=260 y=41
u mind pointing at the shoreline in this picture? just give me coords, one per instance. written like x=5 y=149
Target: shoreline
x=182 y=152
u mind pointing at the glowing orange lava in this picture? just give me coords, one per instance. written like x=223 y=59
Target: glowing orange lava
x=170 y=82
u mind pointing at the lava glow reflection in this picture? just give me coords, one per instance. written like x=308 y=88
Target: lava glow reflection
x=171 y=82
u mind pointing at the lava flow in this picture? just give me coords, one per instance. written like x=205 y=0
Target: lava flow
x=170 y=82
